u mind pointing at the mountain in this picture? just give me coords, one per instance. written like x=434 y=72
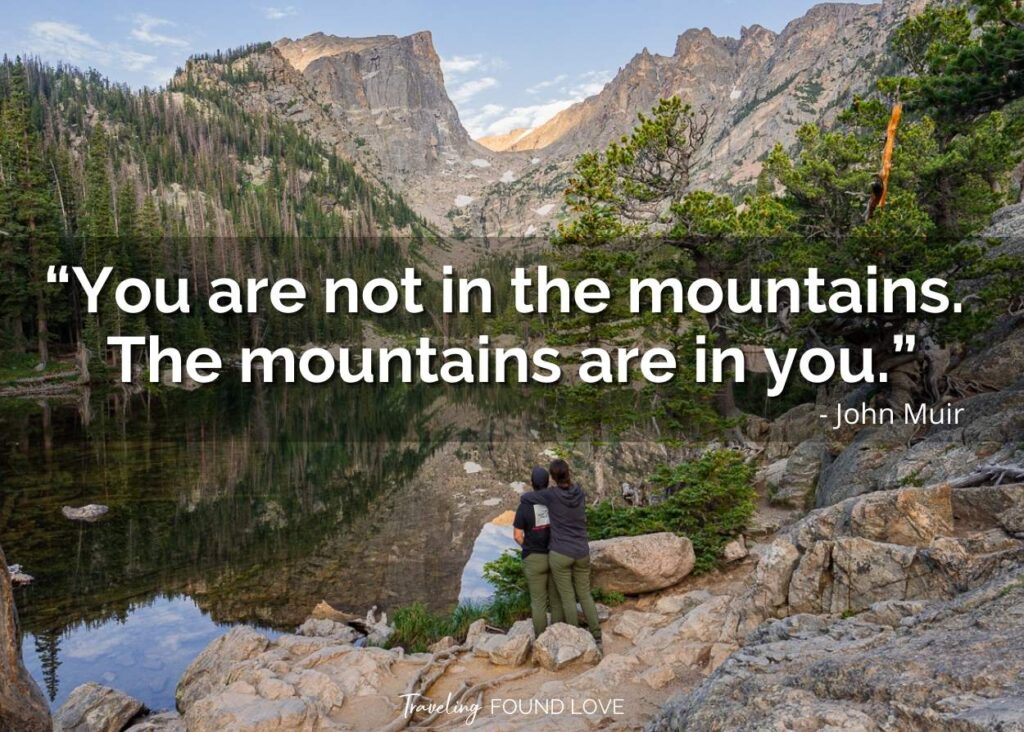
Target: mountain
x=758 y=89
x=382 y=101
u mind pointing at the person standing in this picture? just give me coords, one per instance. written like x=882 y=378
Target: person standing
x=532 y=531
x=569 y=549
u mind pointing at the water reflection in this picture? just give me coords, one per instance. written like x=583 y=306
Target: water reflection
x=143 y=654
x=495 y=538
x=249 y=504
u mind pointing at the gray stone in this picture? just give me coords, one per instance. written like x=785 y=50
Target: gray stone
x=800 y=477
x=95 y=708
x=92 y=512
x=163 y=722
x=959 y=670
x=562 y=645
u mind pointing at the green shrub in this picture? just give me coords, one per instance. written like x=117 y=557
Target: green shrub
x=708 y=500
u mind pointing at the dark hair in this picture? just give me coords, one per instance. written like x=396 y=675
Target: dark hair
x=560 y=472
x=539 y=478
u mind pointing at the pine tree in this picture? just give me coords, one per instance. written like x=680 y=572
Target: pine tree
x=31 y=214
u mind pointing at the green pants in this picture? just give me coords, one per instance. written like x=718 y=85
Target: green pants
x=541 y=584
x=572 y=578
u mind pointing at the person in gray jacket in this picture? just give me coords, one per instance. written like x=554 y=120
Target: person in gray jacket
x=568 y=548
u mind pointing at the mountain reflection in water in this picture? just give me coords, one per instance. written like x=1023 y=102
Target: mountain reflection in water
x=237 y=504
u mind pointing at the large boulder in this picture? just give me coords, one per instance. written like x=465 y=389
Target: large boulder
x=95 y=708
x=22 y=705
x=637 y=564
x=562 y=645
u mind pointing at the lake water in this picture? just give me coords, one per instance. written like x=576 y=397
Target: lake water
x=244 y=505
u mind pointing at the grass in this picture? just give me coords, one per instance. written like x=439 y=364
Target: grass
x=417 y=627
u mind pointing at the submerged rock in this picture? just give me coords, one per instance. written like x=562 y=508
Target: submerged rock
x=562 y=645
x=95 y=708
x=90 y=513
x=638 y=564
x=19 y=578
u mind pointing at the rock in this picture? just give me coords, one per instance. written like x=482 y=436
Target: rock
x=209 y=669
x=638 y=564
x=681 y=604
x=866 y=465
x=475 y=630
x=658 y=677
x=522 y=627
x=773 y=572
x=634 y=625
x=563 y=644
x=324 y=611
x=735 y=550
x=810 y=588
x=997 y=366
x=505 y=649
x=512 y=650
x=322 y=628
x=796 y=486
x=891 y=612
x=799 y=424
x=867 y=571
x=92 y=512
x=958 y=669
x=22 y=705
x=909 y=516
x=95 y=708
x=443 y=644
x=163 y=722
x=19 y=578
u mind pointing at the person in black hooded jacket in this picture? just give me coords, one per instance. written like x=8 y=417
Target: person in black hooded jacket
x=569 y=549
x=532 y=531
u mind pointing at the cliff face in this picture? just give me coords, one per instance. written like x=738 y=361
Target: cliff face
x=386 y=90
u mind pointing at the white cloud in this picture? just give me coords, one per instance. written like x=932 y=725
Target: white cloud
x=469 y=89
x=542 y=85
x=495 y=119
x=272 y=13
x=57 y=40
x=459 y=65
x=145 y=31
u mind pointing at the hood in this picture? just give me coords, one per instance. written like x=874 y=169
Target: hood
x=571 y=496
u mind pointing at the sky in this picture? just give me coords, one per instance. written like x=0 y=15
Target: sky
x=506 y=64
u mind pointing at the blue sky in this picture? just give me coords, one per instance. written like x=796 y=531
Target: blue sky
x=507 y=64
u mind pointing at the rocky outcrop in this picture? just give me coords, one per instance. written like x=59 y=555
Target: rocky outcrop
x=877 y=576
x=22 y=705
x=243 y=680
x=95 y=708
x=990 y=431
x=639 y=564
x=562 y=645
x=953 y=664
